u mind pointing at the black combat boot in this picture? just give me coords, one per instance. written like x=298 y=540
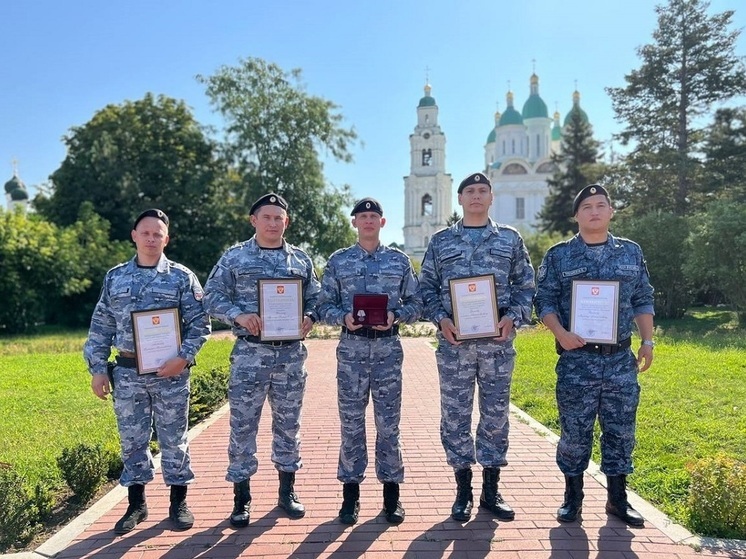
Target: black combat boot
x=137 y=511
x=391 y=503
x=491 y=498
x=288 y=500
x=241 y=502
x=617 y=503
x=350 y=503
x=178 y=511
x=573 y=503
x=461 y=509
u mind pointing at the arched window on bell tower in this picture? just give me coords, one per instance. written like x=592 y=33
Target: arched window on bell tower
x=427 y=205
x=427 y=157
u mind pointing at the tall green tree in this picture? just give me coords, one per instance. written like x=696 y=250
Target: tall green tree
x=725 y=155
x=275 y=135
x=143 y=154
x=576 y=168
x=663 y=238
x=717 y=253
x=690 y=65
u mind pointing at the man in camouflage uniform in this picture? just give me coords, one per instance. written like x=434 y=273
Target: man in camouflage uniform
x=369 y=358
x=475 y=246
x=597 y=379
x=260 y=370
x=148 y=282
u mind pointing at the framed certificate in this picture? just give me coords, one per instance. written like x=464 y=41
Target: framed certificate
x=281 y=308
x=594 y=310
x=157 y=337
x=474 y=307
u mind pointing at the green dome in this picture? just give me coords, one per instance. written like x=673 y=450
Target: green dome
x=575 y=107
x=510 y=116
x=427 y=101
x=492 y=136
x=583 y=116
x=12 y=184
x=556 y=133
x=535 y=107
x=19 y=194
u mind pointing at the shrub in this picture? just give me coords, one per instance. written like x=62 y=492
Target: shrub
x=114 y=464
x=209 y=391
x=154 y=446
x=538 y=244
x=717 y=497
x=18 y=513
x=84 y=469
x=44 y=499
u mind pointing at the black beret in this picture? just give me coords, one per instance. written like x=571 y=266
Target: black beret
x=367 y=205
x=590 y=190
x=270 y=199
x=476 y=178
x=158 y=214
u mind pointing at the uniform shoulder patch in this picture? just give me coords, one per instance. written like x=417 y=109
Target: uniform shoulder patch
x=542 y=272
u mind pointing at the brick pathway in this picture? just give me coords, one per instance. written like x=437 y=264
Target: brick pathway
x=531 y=483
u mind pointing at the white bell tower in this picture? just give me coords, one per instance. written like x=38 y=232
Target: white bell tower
x=427 y=189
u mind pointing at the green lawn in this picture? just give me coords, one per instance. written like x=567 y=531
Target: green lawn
x=693 y=399
x=46 y=403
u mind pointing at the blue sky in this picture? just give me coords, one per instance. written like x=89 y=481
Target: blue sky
x=63 y=61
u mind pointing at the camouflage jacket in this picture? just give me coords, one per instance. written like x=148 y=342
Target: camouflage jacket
x=621 y=259
x=353 y=270
x=233 y=286
x=500 y=252
x=129 y=287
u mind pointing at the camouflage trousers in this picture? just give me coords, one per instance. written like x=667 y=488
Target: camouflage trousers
x=603 y=386
x=369 y=369
x=144 y=401
x=489 y=365
x=262 y=372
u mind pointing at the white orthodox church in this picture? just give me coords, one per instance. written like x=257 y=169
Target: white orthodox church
x=517 y=160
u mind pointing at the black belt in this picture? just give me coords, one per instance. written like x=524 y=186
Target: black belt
x=601 y=349
x=128 y=360
x=370 y=333
x=274 y=343
x=124 y=361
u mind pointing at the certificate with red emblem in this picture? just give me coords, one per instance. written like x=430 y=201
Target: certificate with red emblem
x=281 y=309
x=594 y=311
x=474 y=305
x=157 y=337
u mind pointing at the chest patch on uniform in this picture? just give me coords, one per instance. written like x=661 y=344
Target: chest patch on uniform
x=576 y=272
x=630 y=267
x=448 y=256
